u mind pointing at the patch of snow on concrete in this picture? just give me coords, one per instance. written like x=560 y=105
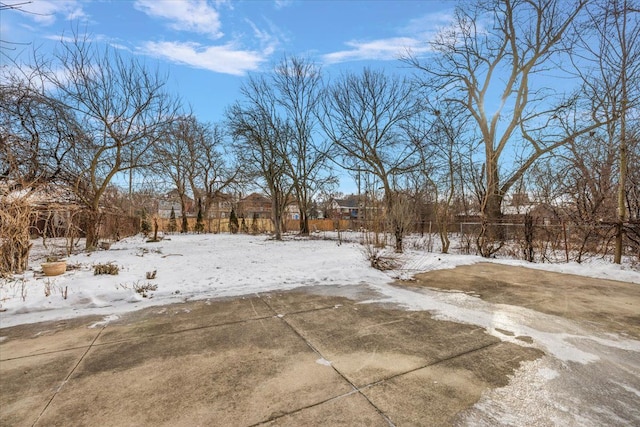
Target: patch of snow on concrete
x=554 y=335
x=104 y=322
x=548 y=392
x=323 y=361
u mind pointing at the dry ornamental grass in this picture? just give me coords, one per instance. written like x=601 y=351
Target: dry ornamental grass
x=15 y=243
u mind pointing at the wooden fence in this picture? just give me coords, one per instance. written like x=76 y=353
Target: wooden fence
x=257 y=226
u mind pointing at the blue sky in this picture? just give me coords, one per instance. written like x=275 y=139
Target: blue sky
x=208 y=47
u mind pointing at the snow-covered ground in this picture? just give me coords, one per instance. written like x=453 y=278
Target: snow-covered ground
x=189 y=267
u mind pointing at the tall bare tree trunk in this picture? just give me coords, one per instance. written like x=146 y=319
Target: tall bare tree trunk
x=622 y=208
x=184 y=226
x=491 y=236
x=304 y=223
x=92 y=224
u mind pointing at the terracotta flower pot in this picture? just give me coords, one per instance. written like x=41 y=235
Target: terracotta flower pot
x=54 y=268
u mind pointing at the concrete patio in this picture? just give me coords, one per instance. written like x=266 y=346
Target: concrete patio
x=306 y=357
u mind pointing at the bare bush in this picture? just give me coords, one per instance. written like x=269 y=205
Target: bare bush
x=381 y=259
x=15 y=242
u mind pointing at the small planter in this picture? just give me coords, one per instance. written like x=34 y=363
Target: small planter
x=54 y=268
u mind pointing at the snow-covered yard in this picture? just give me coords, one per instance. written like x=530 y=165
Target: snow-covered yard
x=189 y=267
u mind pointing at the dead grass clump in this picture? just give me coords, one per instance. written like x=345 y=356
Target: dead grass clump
x=76 y=266
x=107 y=268
x=144 y=289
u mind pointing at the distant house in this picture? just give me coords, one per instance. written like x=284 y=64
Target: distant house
x=165 y=207
x=168 y=202
x=518 y=205
x=292 y=211
x=254 y=205
x=348 y=208
x=172 y=200
x=221 y=205
x=514 y=209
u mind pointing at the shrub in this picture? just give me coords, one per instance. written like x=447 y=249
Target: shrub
x=145 y=224
x=199 y=222
x=233 y=222
x=173 y=225
x=254 y=223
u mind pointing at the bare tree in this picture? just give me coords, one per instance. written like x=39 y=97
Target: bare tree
x=36 y=131
x=588 y=180
x=500 y=49
x=260 y=138
x=442 y=155
x=584 y=176
x=36 y=135
x=298 y=85
x=172 y=160
x=632 y=193
x=368 y=119
x=14 y=6
x=122 y=108
x=613 y=82
x=209 y=175
x=215 y=173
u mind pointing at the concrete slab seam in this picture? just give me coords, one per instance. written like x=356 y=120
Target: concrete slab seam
x=58 y=389
x=291 y=313
x=437 y=362
x=311 y=310
x=313 y=405
x=354 y=387
x=179 y=331
x=361 y=389
x=44 y=353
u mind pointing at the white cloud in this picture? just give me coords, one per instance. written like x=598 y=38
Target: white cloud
x=380 y=50
x=429 y=24
x=268 y=39
x=60 y=38
x=281 y=4
x=77 y=13
x=226 y=59
x=46 y=12
x=413 y=38
x=186 y=15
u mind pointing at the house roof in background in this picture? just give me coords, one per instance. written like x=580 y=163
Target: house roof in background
x=40 y=196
